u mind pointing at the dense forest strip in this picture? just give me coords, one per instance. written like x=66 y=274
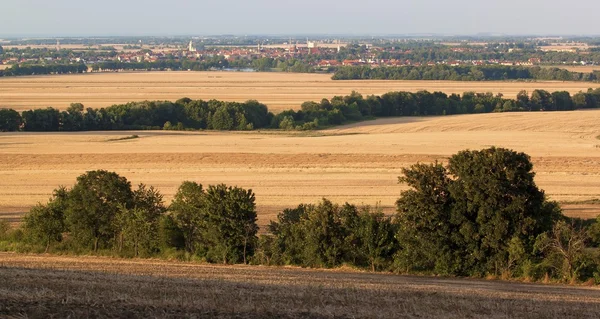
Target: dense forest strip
x=462 y=73
x=354 y=107
x=190 y=114
x=216 y=63
x=38 y=69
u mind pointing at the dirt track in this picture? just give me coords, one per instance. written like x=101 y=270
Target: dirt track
x=40 y=286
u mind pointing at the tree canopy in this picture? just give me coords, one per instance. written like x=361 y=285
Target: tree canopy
x=462 y=73
x=462 y=219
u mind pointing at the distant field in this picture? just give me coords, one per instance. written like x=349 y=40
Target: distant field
x=565 y=46
x=578 y=68
x=280 y=91
x=358 y=163
x=4 y=66
x=93 y=287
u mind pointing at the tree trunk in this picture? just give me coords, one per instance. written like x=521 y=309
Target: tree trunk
x=47 y=246
x=121 y=242
x=245 y=245
x=96 y=244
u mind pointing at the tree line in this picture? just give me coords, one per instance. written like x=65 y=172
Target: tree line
x=102 y=212
x=180 y=115
x=354 y=107
x=218 y=115
x=211 y=63
x=40 y=69
x=424 y=52
x=161 y=65
x=454 y=220
x=462 y=73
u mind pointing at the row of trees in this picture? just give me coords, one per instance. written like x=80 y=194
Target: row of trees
x=102 y=212
x=355 y=107
x=462 y=73
x=217 y=62
x=37 y=69
x=424 y=52
x=481 y=214
x=209 y=63
x=184 y=113
x=217 y=115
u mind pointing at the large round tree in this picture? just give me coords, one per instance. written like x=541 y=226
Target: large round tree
x=93 y=205
x=480 y=214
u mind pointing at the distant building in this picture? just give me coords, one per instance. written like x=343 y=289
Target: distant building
x=191 y=47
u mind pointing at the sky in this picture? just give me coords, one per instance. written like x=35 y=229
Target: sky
x=284 y=17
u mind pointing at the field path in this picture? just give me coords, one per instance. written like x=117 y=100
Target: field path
x=95 y=286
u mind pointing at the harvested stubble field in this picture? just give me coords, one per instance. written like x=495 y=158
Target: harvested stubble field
x=280 y=91
x=358 y=163
x=582 y=68
x=51 y=286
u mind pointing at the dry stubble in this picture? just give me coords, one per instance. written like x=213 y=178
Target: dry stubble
x=42 y=286
x=280 y=91
x=358 y=163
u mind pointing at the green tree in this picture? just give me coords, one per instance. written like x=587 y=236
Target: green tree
x=46 y=223
x=287 y=123
x=564 y=248
x=231 y=228
x=541 y=100
x=188 y=211
x=495 y=199
x=93 y=204
x=523 y=100
x=10 y=120
x=222 y=120
x=287 y=245
x=138 y=230
x=462 y=219
x=262 y=64
x=424 y=221
x=376 y=235
x=41 y=120
x=139 y=226
x=324 y=239
x=72 y=118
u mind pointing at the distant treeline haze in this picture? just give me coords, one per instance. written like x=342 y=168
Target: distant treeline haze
x=218 y=115
x=462 y=73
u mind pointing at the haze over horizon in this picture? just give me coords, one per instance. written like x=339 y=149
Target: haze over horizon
x=350 y=17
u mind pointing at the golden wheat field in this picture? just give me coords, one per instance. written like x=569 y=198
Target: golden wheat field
x=578 y=68
x=358 y=163
x=93 y=287
x=280 y=91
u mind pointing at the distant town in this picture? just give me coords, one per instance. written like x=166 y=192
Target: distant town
x=293 y=55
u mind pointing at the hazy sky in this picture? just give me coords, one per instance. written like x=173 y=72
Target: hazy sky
x=187 y=17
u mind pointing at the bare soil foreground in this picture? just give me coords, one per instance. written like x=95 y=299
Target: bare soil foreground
x=280 y=91
x=359 y=163
x=60 y=287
